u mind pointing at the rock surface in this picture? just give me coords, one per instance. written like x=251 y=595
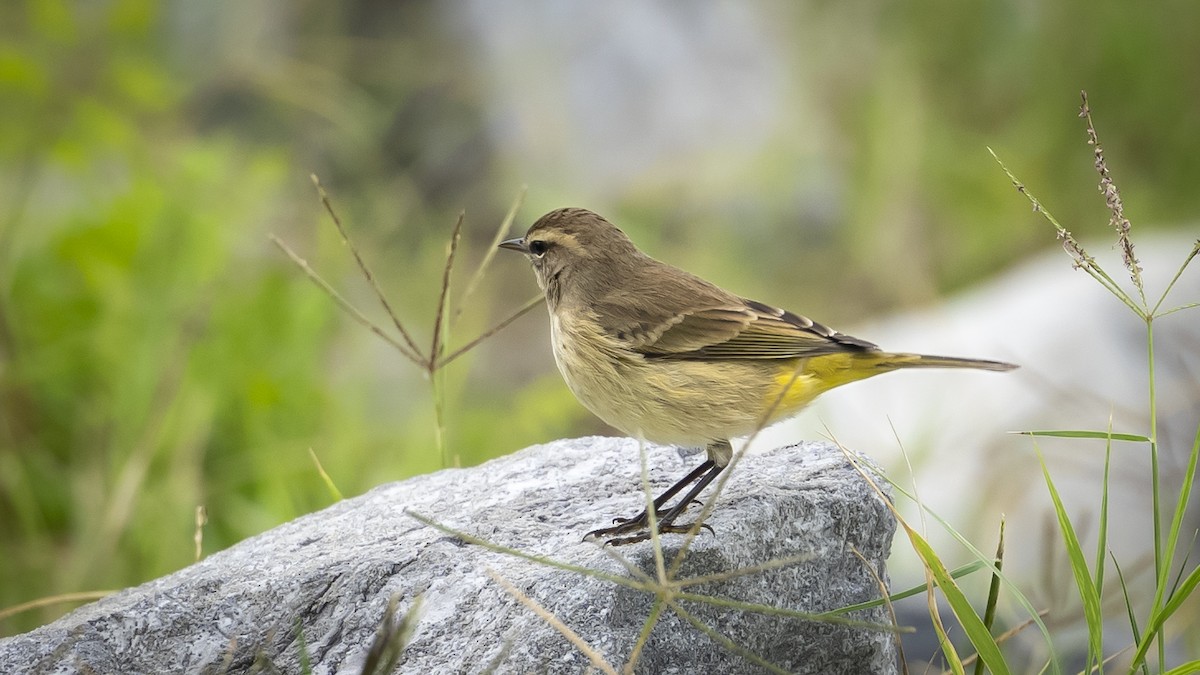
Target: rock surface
x=330 y=575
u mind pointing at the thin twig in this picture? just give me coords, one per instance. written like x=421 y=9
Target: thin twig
x=556 y=623
x=501 y=232
x=529 y=305
x=84 y=596
x=345 y=304
x=887 y=601
x=644 y=635
x=724 y=641
x=363 y=265
x=1178 y=273
x=436 y=347
x=198 y=535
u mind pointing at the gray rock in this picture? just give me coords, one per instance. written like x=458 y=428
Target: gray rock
x=330 y=575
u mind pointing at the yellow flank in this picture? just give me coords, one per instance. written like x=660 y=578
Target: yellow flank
x=819 y=374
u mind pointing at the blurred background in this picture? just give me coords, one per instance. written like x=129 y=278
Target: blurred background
x=157 y=353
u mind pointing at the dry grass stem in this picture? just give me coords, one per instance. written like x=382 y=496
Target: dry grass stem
x=345 y=304
x=724 y=641
x=887 y=601
x=85 y=596
x=392 y=637
x=644 y=636
x=525 y=309
x=556 y=623
x=1082 y=260
x=501 y=232
x=362 y=266
x=435 y=349
x=198 y=535
x=329 y=484
x=1112 y=198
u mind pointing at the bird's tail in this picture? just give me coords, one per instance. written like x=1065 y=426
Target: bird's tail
x=888 y=361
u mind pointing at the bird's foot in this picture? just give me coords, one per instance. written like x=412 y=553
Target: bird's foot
x=643 y=520
x=637 y=531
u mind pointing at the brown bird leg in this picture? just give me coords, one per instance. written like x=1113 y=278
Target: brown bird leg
x=706 y=472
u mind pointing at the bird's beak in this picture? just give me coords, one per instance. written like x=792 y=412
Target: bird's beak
x=515 y=245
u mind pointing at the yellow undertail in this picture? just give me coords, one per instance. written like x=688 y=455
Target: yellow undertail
x=793 y=390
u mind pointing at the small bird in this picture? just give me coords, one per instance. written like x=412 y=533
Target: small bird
x=663 y=355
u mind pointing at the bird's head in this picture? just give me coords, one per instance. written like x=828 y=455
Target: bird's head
x=574 y=250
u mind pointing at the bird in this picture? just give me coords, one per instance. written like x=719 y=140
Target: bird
x=663 y=355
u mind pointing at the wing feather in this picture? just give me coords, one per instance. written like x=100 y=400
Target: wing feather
x=750 y=330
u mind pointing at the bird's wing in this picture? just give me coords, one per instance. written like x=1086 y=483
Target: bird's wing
x=743 y=329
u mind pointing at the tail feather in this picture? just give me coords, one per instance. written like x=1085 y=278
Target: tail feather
x=896 y=361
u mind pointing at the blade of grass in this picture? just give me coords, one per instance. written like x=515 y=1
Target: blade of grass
x=774 y=563
x=198 y=535
x=333 y=489
x=956 y=573
x=971 y=624
x=1021 y=598
x=391 y=638
x=979 y=635
x=1133 y=622
x=1181 y=505
x=1102 y=534
x=935 y=615
x=1083 y=577
x=1160 y=615
x=989 y=613
x=1189 y=668
x=1008 y=635
x=1102 y=435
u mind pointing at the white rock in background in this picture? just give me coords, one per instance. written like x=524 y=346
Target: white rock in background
x=1082 y=356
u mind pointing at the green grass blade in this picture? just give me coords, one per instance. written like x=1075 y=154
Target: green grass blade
x=1185 y=591
x=980 y=637
x=1133 y=622
x=1161 y=611
x=985 y=561
x=1181 y=505
x=1103 y=435
x=989 y=613
x=1102 y=535
x=1189 y=668
x=1083 y=577
x=1162 y=614
x=956 y=573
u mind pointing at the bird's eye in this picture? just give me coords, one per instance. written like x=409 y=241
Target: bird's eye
x=538 y=247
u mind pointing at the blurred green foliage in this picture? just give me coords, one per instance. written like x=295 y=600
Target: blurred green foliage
x=156 y=353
